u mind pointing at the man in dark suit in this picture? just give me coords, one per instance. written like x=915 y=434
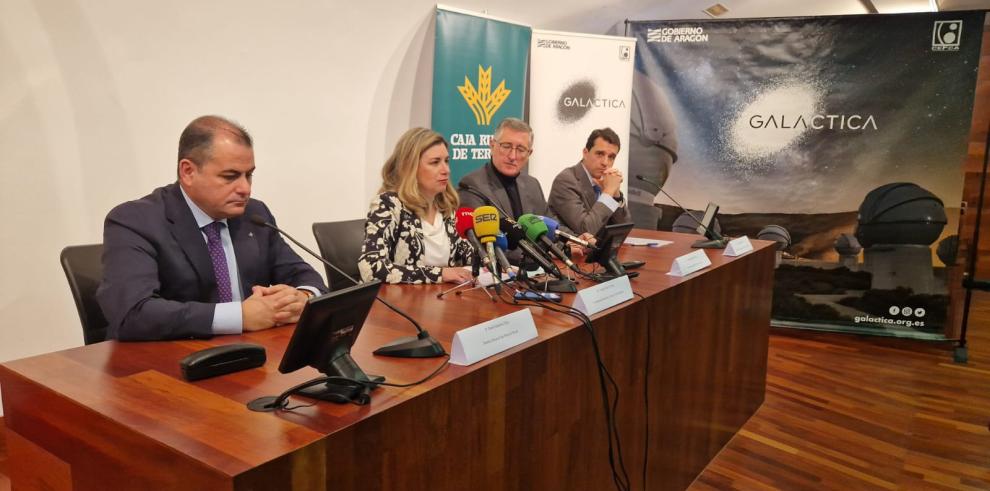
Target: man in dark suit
x=185 y=262
x=586 y=196
x=501 y=180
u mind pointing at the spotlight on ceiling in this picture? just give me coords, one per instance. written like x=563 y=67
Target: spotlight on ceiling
x=716 y=10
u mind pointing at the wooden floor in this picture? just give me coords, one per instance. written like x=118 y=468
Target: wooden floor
x=846 y=412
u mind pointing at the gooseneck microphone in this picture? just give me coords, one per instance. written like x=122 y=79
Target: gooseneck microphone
x=536 y=231
x=717 y=242
x=420 y=346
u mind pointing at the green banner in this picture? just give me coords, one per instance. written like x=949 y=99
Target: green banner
x=479 y=78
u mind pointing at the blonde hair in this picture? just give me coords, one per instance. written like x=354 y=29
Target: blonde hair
x=399 y=173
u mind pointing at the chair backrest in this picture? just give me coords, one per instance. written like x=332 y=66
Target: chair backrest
x=340 y=243
x=83 y=266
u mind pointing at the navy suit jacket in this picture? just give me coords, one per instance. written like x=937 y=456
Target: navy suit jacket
x=158 y=280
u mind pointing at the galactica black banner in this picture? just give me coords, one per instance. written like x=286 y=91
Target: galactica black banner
x=841 y=137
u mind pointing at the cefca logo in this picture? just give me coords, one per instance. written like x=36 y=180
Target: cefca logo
x=483 y=102
x=946 y=35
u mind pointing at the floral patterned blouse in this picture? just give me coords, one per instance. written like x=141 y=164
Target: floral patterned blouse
x=393 y=245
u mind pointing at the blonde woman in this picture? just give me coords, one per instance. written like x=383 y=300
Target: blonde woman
x=410 y=235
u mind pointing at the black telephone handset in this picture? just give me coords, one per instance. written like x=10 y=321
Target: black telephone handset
x=221 y=360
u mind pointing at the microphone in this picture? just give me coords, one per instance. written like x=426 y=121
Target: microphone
x=570 y=238
x=501 y=241
x=717 y=242
x=465 y=228
x=516 y=239
x=515 y=235
x=420 y=346
x=555 y=233
x=501 y=245
x=486 y=228
x=536 y=231
x=552 y=226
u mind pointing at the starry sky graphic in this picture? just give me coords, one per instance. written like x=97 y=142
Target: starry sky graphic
x=883 y=66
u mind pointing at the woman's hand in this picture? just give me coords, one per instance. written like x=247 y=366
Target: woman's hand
x=455 y=275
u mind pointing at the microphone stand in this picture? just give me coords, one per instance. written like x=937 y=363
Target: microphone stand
x=716 y=242
x=422 y=345
x=476 y=272
x=451 y=289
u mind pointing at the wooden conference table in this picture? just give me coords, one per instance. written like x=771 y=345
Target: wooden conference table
x=119 y=416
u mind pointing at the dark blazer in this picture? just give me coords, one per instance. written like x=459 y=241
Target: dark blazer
x=573 y=201
x=485 y=181
x=158 y=280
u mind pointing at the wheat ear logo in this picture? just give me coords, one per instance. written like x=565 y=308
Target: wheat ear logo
x=483 y=102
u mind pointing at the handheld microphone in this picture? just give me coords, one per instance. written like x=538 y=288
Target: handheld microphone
x=570 y=238
x=465 y=228
x=486 y=228
x=552 y=226
x=536 y=231
x=421 y=346
x=555 y=233
x=501 y=241
x=501 y=245
x=717 y=242
x=516 y=237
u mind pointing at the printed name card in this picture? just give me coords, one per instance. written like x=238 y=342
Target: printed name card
x=738 y=247
x=689 y=263
x=475 y=343
x=595 y=299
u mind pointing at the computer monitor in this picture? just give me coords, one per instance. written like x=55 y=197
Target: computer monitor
x=707 y=222
x=327 y=329
x=607 y=244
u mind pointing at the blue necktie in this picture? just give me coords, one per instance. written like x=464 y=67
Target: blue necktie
x=219 y=259
x=598 y=190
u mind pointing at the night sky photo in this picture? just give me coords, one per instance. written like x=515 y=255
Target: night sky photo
x=807 y=115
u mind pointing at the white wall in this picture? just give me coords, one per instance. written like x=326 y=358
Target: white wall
x=93 y=95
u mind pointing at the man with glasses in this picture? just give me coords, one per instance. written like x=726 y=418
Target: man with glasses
x=586 y=196
x=184 y=262
x=501 y=179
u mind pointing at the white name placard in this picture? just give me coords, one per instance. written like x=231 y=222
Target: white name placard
x=595 y=299
x=738 y=247
x=475 y=343
x=689 y=263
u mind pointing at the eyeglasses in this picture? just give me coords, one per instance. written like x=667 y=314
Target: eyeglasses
x=507 y=148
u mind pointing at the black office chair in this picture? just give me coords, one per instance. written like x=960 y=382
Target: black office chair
x=340 y=243
x=83 y=267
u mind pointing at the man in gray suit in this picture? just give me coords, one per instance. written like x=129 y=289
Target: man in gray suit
x=586 y=196
x=502 y=182
x=184 y=261
x=501 y=179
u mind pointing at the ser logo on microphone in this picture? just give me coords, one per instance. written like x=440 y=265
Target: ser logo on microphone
x=485 y=217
